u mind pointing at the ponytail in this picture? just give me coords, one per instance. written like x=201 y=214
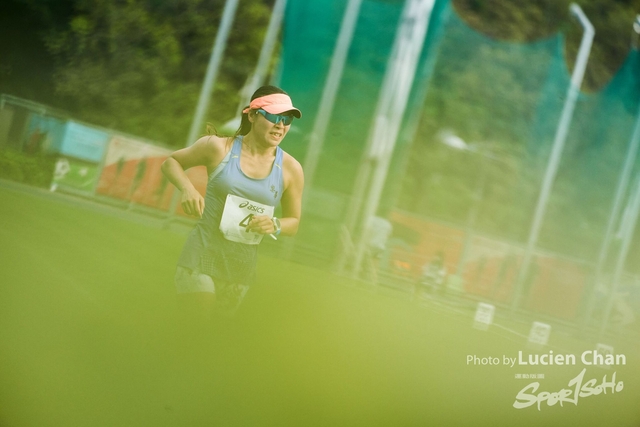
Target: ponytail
x=245 y=125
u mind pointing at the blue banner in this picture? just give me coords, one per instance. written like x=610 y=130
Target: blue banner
x=83 y=142
x=44 y=134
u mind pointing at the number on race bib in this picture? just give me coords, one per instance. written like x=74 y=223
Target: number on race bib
x=245 y=221
x=237 y=214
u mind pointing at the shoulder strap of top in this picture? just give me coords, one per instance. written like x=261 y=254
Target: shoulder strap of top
x=222 y=164
x=278 y=161
x=236 y=148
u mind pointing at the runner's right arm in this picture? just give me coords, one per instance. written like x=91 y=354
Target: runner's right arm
x=207 y=151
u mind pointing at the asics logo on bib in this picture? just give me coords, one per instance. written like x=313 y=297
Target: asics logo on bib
x=251 y=207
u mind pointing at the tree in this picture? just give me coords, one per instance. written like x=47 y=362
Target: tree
x=137 y=65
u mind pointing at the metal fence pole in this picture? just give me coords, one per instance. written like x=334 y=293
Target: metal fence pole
x=628 y=229
x=327 y=101
x=266 y=52
x=556 y=152
x=213 y=67
x=623 y=184
x=391 y=106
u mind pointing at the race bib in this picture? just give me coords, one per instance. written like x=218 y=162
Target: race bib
x=236 y=215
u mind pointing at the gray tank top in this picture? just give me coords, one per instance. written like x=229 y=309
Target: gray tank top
x=206 y=250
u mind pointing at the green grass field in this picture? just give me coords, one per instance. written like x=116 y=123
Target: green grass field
x=91 y=335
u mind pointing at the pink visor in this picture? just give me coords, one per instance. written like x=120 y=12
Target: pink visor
x=276 y=103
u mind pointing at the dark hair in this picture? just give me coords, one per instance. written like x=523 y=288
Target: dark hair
x=245 y=124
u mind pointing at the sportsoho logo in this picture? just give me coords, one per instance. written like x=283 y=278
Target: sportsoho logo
x=250 y=207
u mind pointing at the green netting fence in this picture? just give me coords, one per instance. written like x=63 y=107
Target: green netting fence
x=503 y=99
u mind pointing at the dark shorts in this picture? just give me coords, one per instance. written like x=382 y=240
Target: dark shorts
x=230 y=262
x=220 y=259
x=228 y=295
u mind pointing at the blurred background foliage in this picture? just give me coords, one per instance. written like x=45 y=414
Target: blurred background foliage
x=137 y=65
x=131 y=65
x=518 y=20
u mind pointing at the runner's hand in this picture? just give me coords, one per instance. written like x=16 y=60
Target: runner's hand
x=192 y=202
x=261 y=224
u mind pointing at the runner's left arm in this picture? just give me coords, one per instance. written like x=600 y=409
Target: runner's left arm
x=292 y=198
x=291 y=203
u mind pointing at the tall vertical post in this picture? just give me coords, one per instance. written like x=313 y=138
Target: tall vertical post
x=391 y=107
x=325 y=107
x=266 y=52
x=628 y=227
x=330 y=90
x=623 y=184
x=556 y=152
x=423 y=81
x=213 y=67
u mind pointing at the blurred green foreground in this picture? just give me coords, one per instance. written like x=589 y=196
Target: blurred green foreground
x=91 y=335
